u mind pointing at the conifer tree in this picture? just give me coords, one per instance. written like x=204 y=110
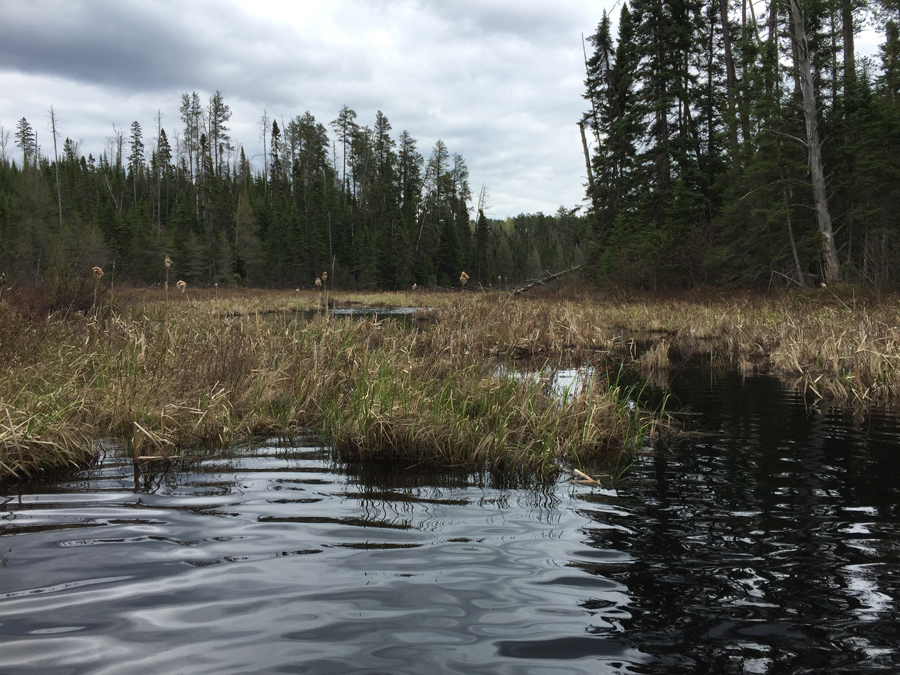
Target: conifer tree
x=25 y=140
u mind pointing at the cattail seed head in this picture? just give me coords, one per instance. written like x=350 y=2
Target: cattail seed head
x=181 y=286
x=318 y=282
x=168 y=262
x=463 y=278
x=324 y=276
x=97 y=272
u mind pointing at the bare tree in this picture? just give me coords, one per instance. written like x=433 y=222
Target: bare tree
x=56 y=158
x=803 y=72
x=4 y=141
x=264 y=129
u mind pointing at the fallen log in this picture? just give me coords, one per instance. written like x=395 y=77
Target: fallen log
x=545 y=280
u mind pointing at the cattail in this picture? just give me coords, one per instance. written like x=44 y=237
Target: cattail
x=463 y=278
x=320 y=282
x=414 y=286
x=167 y=263
x=181 y=286
x=97 y=272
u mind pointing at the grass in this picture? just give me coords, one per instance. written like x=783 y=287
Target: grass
x=207 y=368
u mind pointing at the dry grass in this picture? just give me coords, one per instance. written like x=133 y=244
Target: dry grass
x=230 y=364
x=207 y=371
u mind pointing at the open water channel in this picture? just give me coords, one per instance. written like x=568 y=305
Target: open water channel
x=769 y=543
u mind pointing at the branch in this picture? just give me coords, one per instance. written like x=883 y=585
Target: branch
x=545 y=280
x=796 y=138
x=115 y=201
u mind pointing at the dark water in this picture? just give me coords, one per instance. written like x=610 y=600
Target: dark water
x=769 y=544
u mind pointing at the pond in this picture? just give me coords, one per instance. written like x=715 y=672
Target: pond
x=769 y=542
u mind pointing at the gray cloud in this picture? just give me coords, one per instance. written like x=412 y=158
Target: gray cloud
x=500 y=82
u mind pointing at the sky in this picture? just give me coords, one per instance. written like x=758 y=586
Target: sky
x=499 y=81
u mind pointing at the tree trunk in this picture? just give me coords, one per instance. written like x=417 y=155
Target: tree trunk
x=849 y=51
x=801 y=278
x=830 y=265
x=56 y=159
x=587 y=157
x=730 y=78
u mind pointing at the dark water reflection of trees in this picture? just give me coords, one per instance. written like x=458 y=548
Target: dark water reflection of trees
x=768 y=544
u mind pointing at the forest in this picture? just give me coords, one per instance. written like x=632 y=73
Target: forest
x=725 y=143
x=744 y=143
x=360 y=204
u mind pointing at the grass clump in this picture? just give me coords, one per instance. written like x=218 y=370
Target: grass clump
x=455 y=413
x=164 y=376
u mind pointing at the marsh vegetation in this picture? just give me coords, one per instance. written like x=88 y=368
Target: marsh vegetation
x=168 y=375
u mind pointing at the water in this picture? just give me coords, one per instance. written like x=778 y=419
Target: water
x=770 y=543
x=405 y=315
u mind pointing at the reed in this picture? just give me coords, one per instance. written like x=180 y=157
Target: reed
x=209 y=378
x=169 y=375
x=98 y=274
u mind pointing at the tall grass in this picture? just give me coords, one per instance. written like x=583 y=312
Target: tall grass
x=163 y=376
x=175 y=374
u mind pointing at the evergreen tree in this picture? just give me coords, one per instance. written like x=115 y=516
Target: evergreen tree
x=25 y=140
x=218 y=114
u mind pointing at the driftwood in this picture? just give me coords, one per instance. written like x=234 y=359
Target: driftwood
x=545 y=280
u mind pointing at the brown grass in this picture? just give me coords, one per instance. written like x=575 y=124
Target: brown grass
x=231 y=364
x=228 y=368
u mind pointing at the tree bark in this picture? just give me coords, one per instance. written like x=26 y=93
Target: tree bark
x=830 y=265
x=587 y=157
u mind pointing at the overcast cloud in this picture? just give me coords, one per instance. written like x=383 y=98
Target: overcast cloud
x=500 y=81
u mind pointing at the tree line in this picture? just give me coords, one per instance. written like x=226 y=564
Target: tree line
x=745 y=143
x=352 y=200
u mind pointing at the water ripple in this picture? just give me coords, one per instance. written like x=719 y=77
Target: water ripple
x=770 y=544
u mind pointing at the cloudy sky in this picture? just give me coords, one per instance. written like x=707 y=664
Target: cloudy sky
x=500 y=81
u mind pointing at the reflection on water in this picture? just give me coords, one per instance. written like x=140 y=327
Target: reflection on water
x=767 y=544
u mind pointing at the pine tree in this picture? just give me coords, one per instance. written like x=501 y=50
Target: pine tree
x=345 y=126
x=218 y=114
x=136 y=158
x=25 y=140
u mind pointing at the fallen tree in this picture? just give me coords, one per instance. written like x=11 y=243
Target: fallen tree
x=545 y=280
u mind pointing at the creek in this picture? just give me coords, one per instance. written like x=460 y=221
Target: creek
x=767 y=542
